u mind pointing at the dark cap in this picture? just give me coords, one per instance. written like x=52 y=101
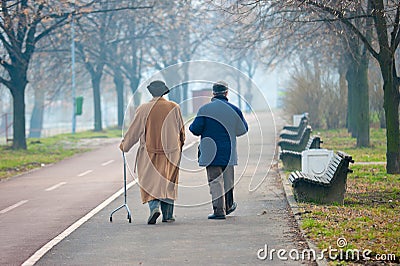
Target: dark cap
x=220 y=87
x=157 y=88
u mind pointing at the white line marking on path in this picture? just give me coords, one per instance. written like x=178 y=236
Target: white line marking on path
x=16 y=205
x=107 y=163
x=56 y=186
x=43 y=250
x=85 y=173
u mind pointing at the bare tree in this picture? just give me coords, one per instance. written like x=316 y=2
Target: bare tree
x=377 y=26
x=95 y=33
x=22 y=25
x=48 y=77
x=125 y=53
x=281 y=33
x=382 y=45
x=180 y=31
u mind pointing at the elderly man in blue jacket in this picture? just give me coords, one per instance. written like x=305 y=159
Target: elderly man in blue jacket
x=219 y=123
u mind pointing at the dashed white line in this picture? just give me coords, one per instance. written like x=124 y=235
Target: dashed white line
x=16 y=205
x=107 y=163
x=43 y=250
x=85 y=173
x=56 y=186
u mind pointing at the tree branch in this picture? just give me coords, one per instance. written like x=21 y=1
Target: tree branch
x=7 y=19
x=5 y=64
x=6 y=44
x=381 y=27
x=114 y=10
x=50 y=29
x=332 y=19
x=344 y=20
x=396 y=30
x=7 y=83
x=22 y=27
x=88 y=65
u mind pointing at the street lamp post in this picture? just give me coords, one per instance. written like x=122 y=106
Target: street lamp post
x=73 y=72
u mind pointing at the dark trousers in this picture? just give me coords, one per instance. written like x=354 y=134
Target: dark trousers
x=221 y=183
x=167 y=207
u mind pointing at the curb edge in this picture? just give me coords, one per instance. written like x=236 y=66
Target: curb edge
x=295 y=209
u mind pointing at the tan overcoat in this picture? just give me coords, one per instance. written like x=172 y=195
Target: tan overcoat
x=159 y=128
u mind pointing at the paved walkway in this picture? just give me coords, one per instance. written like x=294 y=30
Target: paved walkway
x=261 y=219
x=38 y=205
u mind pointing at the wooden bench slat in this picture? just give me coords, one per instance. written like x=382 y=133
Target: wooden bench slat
x=326 y=179
x=336 y=162
x=333 y=167
x=330 y=173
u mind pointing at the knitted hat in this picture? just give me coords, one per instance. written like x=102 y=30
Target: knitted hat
x=220 y=87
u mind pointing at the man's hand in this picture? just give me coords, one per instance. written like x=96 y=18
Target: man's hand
x=121 y=146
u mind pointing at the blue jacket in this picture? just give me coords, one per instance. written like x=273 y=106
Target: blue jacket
x=218 y=123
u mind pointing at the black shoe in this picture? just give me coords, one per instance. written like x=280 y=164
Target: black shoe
x=153 y=216
x=216 y=217
x=231 y=209
x=170 y=220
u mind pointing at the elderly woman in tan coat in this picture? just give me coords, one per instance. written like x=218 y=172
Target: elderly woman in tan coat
x=159 y=129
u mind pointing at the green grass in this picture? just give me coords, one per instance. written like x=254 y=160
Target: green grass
x=369 y=218
x=341 y=140
x=48 y=150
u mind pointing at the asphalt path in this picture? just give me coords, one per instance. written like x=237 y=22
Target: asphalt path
x=37 y=206
x=48 y=207
x=252 y=235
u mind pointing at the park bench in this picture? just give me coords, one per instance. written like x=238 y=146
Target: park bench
x=292 y=159
x=294 y=130
x=296 y=145
x=294 y=134
x=329 y=187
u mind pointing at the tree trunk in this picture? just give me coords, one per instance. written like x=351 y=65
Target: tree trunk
x=134 y=84
x=185 y=100
x=185 y=91
x=391 y=106
x=19 y=134
x=358 y=96
x=382 y=119
x=362 y=102
x=175 y=94
x=97 y=102
x=343 y=96
x=352 y=100
x=36 y=123
x=239 y=67
x=119 y=86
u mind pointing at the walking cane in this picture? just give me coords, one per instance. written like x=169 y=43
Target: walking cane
x=125 y=205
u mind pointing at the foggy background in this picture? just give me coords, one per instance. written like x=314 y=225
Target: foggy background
x=295 y=62
x=139 y=41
